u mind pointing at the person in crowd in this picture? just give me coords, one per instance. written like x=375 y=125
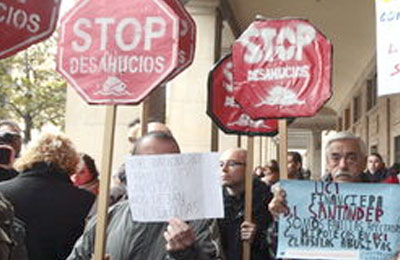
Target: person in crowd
x=87 y=175
x=233 y=228
x=10 y=147
x=134 y=130
x=12 y=233
x=258 y=171
x=7 y=157
x=118 y=191
x=271 y=173
x=393 y=174
x=44 y=198
x=345 y=161
x=270 y=178
x=15 y=139
x=87 y=178
x=128 y=239
x=295 y=166
x=133 y=133
x=395 y=168
x=376 y=171
x=295 y=172
x=155 y=126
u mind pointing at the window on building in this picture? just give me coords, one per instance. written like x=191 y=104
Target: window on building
x=346 y=118
x=371 y=92
x=397 y=148
x=356 y=108
x=373 y=149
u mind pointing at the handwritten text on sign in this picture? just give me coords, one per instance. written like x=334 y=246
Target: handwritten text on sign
x=340 y=221
x=186 y=186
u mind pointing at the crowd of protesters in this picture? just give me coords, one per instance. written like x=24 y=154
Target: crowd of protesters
x=48 y=200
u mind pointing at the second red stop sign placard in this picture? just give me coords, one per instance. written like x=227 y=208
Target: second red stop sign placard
x=282 y=68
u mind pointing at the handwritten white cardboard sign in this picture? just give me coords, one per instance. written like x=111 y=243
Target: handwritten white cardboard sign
x=186 y=186
x=388 y=46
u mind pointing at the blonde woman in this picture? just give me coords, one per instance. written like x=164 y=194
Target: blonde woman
x=43 y=197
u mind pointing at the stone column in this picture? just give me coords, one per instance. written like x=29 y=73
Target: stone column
x=187 y=93
x=84 y=124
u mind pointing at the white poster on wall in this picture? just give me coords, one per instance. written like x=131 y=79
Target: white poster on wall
x=388 y=46
x=186 y=186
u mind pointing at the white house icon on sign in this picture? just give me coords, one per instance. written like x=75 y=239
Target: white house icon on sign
x=281 y=96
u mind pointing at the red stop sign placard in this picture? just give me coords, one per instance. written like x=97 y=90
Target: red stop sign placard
x=117 y=52
x=25 y=22
x=282 y=68
x=224 y=110
x=187 y=37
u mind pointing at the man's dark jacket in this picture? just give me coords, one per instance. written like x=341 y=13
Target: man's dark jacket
x=52 y=208
x=132 y=240
x=378 y=176
x=234 y=216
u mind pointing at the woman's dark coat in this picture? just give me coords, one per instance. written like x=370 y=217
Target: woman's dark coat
x=53 y=210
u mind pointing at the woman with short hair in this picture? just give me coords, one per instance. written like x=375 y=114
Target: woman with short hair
x=43 y=196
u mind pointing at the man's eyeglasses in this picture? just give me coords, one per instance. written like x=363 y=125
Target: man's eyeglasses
x=222 y=164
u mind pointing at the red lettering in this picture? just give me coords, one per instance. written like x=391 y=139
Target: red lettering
x=397 y=70
x=378 y=214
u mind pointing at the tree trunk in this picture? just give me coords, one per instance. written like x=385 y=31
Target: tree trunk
x=28 y=128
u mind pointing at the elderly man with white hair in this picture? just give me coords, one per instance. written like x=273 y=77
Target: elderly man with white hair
x=346 y=157
x=345 y=161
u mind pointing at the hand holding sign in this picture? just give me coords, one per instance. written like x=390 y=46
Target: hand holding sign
x=248 y=231
x=178 y=235
x=278 y=204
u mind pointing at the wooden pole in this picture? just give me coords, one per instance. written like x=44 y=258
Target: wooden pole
x=108 y=145
x=261 y=152
x=283 y=148
x=248 y=198
x=214 y=138
x=145 y=116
